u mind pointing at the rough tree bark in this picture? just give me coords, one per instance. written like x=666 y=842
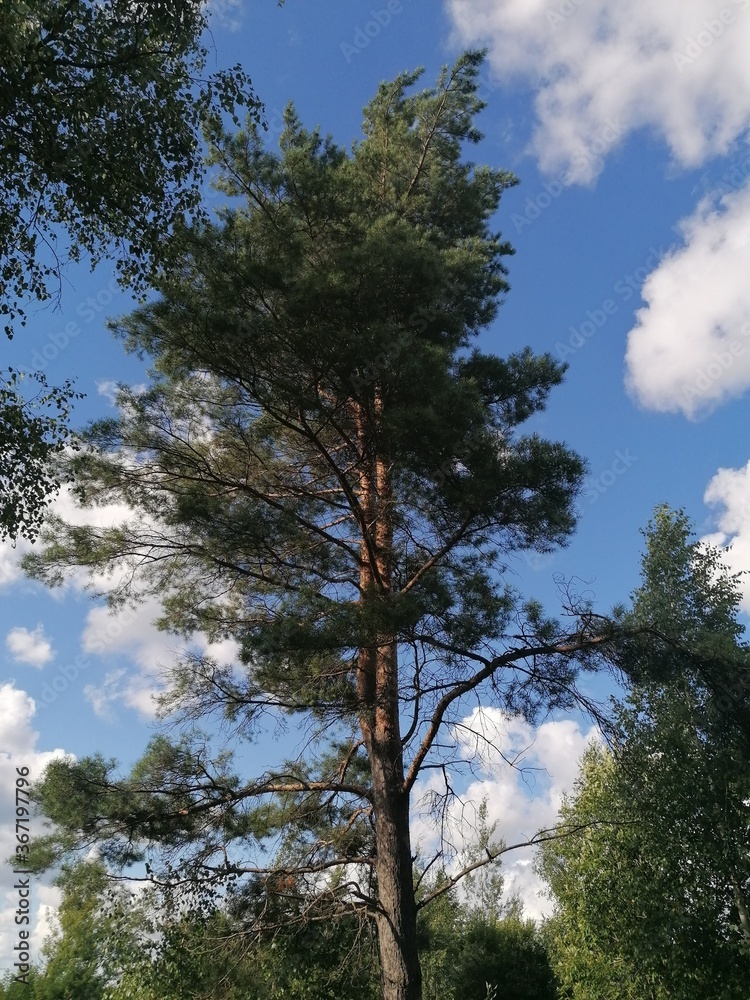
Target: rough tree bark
x=378 y=690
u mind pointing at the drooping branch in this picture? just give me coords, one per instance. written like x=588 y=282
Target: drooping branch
x=542 y=837
x=572 y=646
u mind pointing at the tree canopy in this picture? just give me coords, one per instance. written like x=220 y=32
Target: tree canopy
x=653 y=895
x=112 y=943
x=33 y=430
x=102 y=108
x=327 y=471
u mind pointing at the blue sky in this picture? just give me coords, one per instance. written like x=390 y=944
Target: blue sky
x=627 y=125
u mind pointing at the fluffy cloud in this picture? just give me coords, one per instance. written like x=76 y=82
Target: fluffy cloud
x=522 y=773
x=678 y=69
x=18 y=740
x=601 y=71
x=65 y=506
x=690 y=348
x=10 y=562
x=29 y=647
x=123 y=639
x=729 y=492
x=129 y=635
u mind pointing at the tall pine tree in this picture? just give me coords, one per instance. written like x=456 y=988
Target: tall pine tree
x=328 y=471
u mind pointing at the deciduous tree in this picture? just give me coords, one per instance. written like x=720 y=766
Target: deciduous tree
x=101 y=110
x=33 y=430
x=102 y=106
x=653 y=893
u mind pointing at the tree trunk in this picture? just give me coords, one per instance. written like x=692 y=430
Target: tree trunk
x=377 y=688
x=401 y=975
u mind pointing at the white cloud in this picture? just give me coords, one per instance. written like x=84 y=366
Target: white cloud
x=33 y=648
x=690 y=347
x=523 y=773
x=18 y=749
x=107 y=387
x=102 y=696
x=16 y=712
x=71 y=512
x=123 y=639
x=603 y=70
x=729 y=491
x=678 y=69
x=229 y=13
x=11 y=555
x=129 y=634
x=65 y=506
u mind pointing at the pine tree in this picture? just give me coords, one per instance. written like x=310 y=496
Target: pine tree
x=328 y=471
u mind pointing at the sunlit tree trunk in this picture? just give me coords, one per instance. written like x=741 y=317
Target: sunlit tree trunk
x=379 y=720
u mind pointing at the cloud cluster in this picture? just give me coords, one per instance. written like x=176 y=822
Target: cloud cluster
x=137 y=654
x=690 y=347
x=228 y=13
x=129 y=636
x=729 y=493
x=680 y=70
x=521 y=772
x=65 y=506
x=33 y=648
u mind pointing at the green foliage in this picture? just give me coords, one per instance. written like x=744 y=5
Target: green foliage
x=32 y=432
x=438 y=927
x=155 y=946
x=653 y=893
x=101 y=110
x=75 y=950
x=10 y=989
x=475 y=942
x=158 y=943
x=484 y=885
x=102 y=104
x=318 y=962
x=79 y=954
x=327 y=471
x=691 y=603
x=595 y=878
x=471 y=945
x=507 y=955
